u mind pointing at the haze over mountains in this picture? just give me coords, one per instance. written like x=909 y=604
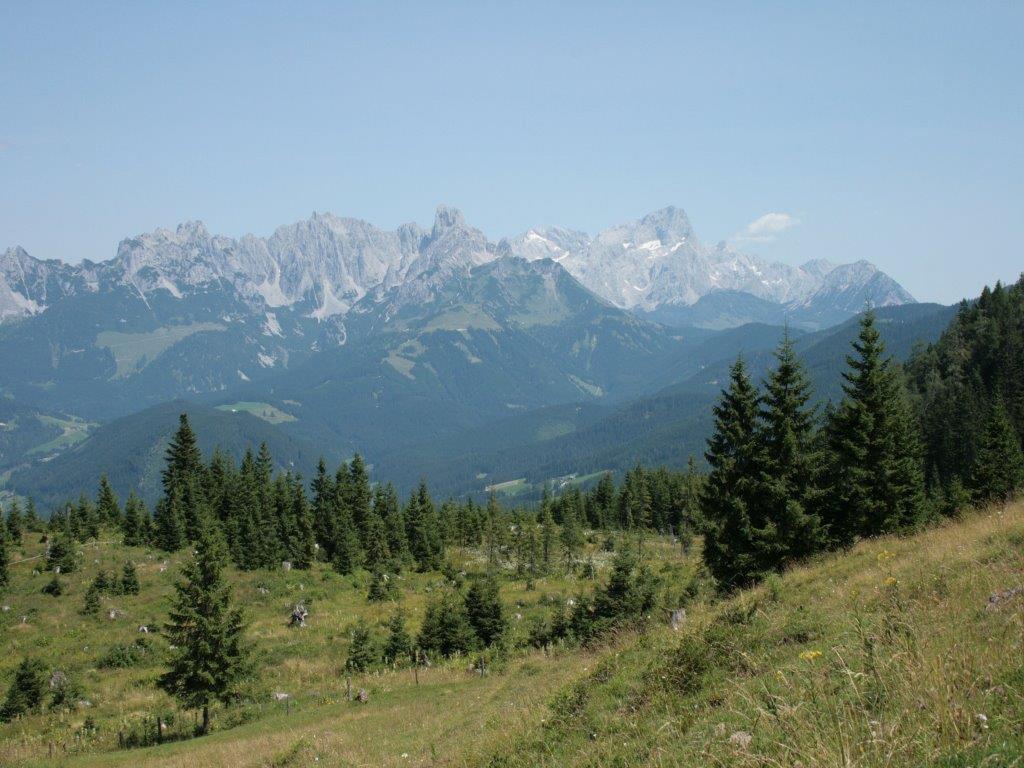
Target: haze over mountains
x=355 y=338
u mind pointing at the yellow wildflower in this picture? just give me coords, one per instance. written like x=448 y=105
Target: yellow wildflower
x=810 y=655
x=891 y=581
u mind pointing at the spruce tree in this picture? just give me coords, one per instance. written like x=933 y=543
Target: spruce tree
x=377 y=554
x=572 y=539
x=485 y=610
x=304 y=546
x=730 y=542
x=15 y=523
x=446 y=629
x=27 y=691
x=389 y=509
x=423 y=531
x=786 y=498
x=362 y=650
x=998 y=471
x=61 y=556
x=398 y=647
x=32 y=521
x=129 y=579
x=169 y=531
x=135 y=521
x=209 y=658
x=5 y=558
x=108 y=509
x=359 y=497
x=873 y=464
x=323 y=511
x=91 y=605
x=183 y=476
x=548 y=538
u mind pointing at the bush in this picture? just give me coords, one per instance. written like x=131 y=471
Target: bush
x=54 y=587
x=446 y=628
x=124 y=656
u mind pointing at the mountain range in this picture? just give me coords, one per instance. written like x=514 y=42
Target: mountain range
x=346 y=337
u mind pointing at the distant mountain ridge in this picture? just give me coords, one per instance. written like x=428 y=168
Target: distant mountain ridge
x=657 y=266
x=324 y=265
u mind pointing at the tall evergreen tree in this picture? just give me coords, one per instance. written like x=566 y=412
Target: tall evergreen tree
x=129 y=579
x=998 y=471
x=304 y=546
x=183 y=475
x=27 y=691
x=446 y=629
x=32 y=521
x=875 y=483
x=485 y=610
x=323 y=511
x=359 y=497
x=731 y=548
x=209 y=657
x=5 y=557
x=548 y=538
x=787 y=497
x=107 y=507
x=169 y=521
x=423 y=531
x=15 y=523
x=398 y=647
x=135 y=523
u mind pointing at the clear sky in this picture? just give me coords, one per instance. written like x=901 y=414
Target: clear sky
x=890 y=131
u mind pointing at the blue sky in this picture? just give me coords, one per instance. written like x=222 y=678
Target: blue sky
x=887 y=131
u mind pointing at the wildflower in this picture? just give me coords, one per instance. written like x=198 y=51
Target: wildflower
x=891 y=581
x=810 y=655
x=884 y=555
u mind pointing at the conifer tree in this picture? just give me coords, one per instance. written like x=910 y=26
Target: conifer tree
x=183 y=476
x=27 y=691
x=485 y=610
x=32 y=521
x=135 y=521
x=387 y=507
x=359 y=497
x=91 y=605
x=129 y=579
x=398 y=647
x=998 y=471
x=875 y=483
x=169 y=521
x=730 y=544
x=61 y=555
x=422 y=530
x=304 y=547
x=323 y=511
x=108 y=509
x=54 y=587
x=209 y=657
x=548 y=538
x=572 y=539
x=15 y=523
x=446 y=629
x=377 y=554
x=784 y=511
x=348 y=553
x=362 y=650
x=5 y=557
x=494 y=532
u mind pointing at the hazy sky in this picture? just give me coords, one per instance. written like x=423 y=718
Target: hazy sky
x=889 y=131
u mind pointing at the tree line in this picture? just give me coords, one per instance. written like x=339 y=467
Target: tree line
x=901 y=448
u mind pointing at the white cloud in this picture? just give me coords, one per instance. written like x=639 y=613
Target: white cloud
x=765 y=229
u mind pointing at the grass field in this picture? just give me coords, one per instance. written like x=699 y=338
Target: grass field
x=133 y=351
x=264 y=411
x=73 y=430
x=905 y=651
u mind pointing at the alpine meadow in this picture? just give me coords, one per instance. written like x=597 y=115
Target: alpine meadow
x=511 y=494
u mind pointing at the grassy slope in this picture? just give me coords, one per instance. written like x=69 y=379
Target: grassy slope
x=885 y=656
x=452 y=711
x=910 y=655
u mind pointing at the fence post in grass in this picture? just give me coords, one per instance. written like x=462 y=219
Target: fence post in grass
x=348 y=688
x=159 y=729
